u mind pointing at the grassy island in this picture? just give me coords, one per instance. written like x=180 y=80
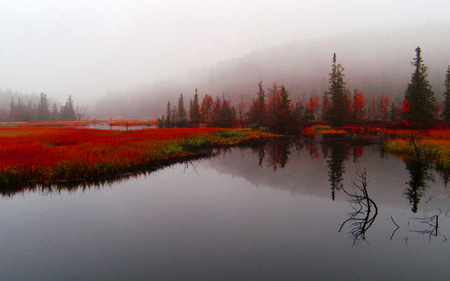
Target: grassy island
x=36 y=154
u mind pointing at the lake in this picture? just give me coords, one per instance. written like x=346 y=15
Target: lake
x=283 y=211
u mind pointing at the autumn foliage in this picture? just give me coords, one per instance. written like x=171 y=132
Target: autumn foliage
x=36 y=154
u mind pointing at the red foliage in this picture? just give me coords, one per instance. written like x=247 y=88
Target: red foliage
x=406 y=106
x=31 y=149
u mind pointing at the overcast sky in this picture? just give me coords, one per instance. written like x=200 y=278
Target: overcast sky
x=87 y=48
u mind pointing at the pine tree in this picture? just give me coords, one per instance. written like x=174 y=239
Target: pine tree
x=69 y=110
x=419 y=94
x=340 y=110
x=169 y=121
x=446 y=111
x=182 y=116
x=194 y=111
x=43 y=108
x=54 y=114
x=257 y=111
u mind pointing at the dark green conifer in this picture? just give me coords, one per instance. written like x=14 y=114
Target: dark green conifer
x=419 y=94
x=446 y=111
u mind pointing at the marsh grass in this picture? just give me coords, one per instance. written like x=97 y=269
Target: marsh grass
x=434 y=144
x=38 y=154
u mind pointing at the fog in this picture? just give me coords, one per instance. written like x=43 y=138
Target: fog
x=88 y=49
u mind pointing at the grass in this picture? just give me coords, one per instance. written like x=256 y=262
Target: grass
x=322 y=130
x=434 y=144
x=34 y=154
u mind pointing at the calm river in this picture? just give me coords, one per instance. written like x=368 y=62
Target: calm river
x=281 y=212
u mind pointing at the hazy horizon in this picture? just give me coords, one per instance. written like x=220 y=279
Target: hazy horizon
x=87 y=49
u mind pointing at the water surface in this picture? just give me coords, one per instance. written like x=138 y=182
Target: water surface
x=263 y=213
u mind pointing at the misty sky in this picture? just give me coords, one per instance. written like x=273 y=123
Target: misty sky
x=87 y=48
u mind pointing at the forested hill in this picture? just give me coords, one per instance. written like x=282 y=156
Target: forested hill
x=376 y=61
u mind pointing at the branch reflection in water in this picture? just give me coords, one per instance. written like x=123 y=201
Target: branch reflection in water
x=362 y=217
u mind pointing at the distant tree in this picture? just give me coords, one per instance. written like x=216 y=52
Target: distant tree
x=446 y=109
x=68 y=111
x=194 y=111
x=359 y=102
x=419 y=94
x=340 y=111
x=393 y=112
x=168 y=122
x=283 y=112
x=274 y=97
x=257 y=112
x=311 y=108
x=54 y=113
x=298 y=112
x=216 y=115
x=228 y=113
x=383 y=104
x=182 y=116
x=43 y=108
x=206 y=109
x=241 y=109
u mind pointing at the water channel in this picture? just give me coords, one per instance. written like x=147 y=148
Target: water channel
x=283 y=211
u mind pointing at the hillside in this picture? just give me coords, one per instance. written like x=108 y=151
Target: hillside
x=376 y=62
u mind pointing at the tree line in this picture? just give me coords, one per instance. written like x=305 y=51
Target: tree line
x=272 y=107
x=32 y=112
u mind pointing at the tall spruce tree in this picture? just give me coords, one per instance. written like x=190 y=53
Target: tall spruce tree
x=419 y=94
x=340 y=108
x=446 y=111
x=182 y=116
x=43 y=108
x=69 y=110
x=169 y=121
x=194 y=111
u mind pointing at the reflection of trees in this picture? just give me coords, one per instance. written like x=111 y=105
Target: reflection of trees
x=418 y=168
x=362 y=216
x=418 y=184
x=278 y=151
x=336 y=167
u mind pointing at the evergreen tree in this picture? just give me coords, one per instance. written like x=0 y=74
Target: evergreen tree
x=194 y=111
x=326 y=105
x=54 y=114
x=228 y=113
x=340 y=110
x=419 y=94
x=182 y=116
x=257 y=112
x=69 y=111
x=446 y=111
x=393 y=110
x=216 y=115
x=169 y=121
x=43 y=108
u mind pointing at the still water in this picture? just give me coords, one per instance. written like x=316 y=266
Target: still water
x=280 y=212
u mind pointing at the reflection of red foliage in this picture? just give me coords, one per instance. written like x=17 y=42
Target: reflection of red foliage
x=309 y=131
x=405 y=158
x=358 y=151
x=313 y=152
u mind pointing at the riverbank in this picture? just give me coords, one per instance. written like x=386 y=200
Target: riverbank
x=31 y=154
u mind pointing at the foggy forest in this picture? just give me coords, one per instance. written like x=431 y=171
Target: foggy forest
x=377 y=62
